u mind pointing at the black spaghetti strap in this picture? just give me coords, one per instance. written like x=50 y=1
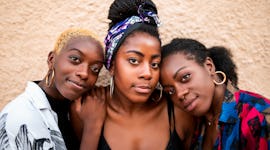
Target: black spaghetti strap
x=170 y=113
x=173 y=115
x=169 y=106
x=175 y=141
x=103 y=145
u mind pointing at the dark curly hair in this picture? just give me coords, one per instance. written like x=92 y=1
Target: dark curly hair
x=221 y=56
x=122 y=9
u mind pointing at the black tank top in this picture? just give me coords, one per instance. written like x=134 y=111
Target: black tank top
x=61 y=108
x=175 y=143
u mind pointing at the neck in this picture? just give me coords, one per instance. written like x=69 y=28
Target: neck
x=123 y=105
x=214 y=112
x=51 y=91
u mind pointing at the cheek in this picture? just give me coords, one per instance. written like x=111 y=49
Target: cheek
x=92 y=80
x=123 y=75
x=206 y=93
x=59 y=77
x=207 y=85
x=166 y=74
x=204 y=81
x=177 y=103
x=156 y=75
x=205 y=90
x=124 y=71
x=63 y=69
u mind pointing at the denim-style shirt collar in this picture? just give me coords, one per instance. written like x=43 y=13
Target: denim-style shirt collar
x=229 y=112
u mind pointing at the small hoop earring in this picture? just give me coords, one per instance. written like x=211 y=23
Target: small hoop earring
x=111 y=86
x=224 y=78
x=158 y=87
x=47 y=78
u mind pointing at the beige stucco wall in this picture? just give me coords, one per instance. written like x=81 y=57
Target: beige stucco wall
x=29 y=29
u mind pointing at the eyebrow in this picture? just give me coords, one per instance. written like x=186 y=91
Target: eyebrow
x=75 y=49
x=141 y=54
x=175 y=74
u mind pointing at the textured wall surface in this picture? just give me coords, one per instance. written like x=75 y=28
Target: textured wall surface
x=29 y=29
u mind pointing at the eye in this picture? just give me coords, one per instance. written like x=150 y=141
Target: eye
x=185 y=78
x=170 y=90
x=155 y=65
x=95 y=68
x=133 y=61
x=75 y=59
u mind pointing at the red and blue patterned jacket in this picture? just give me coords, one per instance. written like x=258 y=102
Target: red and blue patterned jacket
x=244 y=124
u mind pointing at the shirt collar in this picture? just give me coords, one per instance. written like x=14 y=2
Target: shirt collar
x=38 y=97
x=229 y=111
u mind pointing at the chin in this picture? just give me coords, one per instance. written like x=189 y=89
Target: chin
x=199 y=113
x=179 y=106
x=140 y=99
x=71 y=96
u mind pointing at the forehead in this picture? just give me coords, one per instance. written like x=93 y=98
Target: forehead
x=172 y=63
x=86 y=46
x=141 y=41
x=174 y=59
x=81 y=42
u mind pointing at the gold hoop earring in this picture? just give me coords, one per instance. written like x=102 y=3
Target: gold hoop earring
x=111 y=86
x=224 y=78
x=47 y=78
x=158 y=87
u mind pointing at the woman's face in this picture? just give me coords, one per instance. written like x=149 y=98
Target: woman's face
x=189 y=84
x=136 y=67
x=77 y=67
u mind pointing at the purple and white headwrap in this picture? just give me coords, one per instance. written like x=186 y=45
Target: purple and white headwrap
x=118 y=32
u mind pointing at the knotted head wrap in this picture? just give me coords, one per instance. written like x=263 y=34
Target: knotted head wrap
x=118 y=33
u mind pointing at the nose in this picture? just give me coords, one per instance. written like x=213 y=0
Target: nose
x=146 y=72
x=181 y=92
x=82 y=71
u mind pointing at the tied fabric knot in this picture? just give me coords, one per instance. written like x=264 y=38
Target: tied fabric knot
x=148 y=16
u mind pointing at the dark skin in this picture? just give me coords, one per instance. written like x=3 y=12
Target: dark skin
x=76 y=69
x=192 y=90
x=185 y=126
x=131 y=117
x=133 y=120
x=88 y=114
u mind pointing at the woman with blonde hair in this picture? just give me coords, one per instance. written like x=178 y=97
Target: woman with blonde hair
x=39 y=117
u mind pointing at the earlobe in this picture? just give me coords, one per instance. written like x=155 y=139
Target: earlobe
x=51 y=59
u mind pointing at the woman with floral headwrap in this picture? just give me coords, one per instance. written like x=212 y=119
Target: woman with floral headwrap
x=138 y=117
x=39 y=117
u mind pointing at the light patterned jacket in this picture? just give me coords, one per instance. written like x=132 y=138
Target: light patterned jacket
x=28 y=122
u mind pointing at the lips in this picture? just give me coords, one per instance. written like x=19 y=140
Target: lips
x=144 y=89
x=77 y=85
x=189 y=104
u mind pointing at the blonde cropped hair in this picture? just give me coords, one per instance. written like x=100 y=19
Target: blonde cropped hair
x=73 y=33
